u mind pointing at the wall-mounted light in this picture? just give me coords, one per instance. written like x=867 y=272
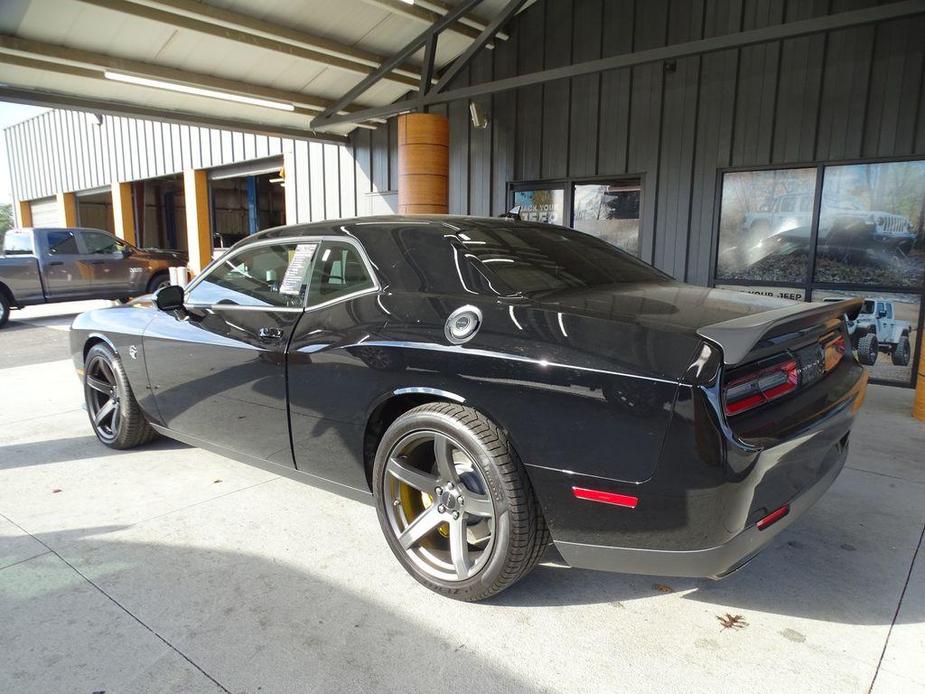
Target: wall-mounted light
x=197 y=91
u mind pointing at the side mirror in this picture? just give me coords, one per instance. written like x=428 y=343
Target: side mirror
x=169 y=298
x=127 y=251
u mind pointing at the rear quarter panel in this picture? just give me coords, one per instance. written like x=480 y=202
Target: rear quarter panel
x=586 y=403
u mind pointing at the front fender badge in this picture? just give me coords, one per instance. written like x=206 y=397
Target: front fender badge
x=133 y=352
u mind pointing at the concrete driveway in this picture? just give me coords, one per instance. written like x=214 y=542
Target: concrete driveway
x=171 y=569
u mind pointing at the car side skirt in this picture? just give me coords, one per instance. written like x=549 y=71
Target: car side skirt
x=363 y=495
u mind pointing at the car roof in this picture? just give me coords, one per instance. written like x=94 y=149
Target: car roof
x=342 y=227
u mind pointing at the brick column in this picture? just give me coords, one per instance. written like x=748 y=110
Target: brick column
x=24 y=210
x=198 y=229
x=123 y=215
x=423 y=163
x=67 y=203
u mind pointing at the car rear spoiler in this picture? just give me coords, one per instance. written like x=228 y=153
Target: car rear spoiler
x=739 y=336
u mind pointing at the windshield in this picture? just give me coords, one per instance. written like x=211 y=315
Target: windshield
x=526 y=259
x=868 y=307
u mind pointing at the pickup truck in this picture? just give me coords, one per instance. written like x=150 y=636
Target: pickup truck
x=49 y=265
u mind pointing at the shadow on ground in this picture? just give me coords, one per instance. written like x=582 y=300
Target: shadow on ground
x=255 y=623
x=50 y=451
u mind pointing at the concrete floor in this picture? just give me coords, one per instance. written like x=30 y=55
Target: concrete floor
x=171 y=569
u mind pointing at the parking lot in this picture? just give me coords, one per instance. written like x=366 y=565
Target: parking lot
x=168 y=568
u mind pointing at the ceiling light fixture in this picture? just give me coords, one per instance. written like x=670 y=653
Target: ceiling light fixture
x=197 y=91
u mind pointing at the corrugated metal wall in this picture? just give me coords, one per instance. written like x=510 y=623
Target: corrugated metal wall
x=60 y=151
x=850 y=94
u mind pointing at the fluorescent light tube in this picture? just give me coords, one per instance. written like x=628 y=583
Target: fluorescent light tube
x=197 y=91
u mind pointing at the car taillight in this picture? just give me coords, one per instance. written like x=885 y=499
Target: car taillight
x=834 y=351
x=761 y=386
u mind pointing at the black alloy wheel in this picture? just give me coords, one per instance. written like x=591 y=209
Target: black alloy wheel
x=455 y=503
x=115 y=416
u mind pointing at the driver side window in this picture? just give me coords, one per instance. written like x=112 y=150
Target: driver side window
x=263 y=276
x=102 y=244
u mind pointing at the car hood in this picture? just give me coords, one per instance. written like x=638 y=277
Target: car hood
x=162 y=254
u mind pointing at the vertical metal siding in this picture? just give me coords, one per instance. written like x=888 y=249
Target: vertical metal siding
x=843 y=95
x=64 y=151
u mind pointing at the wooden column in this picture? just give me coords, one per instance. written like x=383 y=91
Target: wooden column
x=918 y=405
x=423 y=163
x=67 y=203
x=123 y=215
x=24 y=210
x=198 y=229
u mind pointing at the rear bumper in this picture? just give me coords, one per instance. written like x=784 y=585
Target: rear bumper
x=713 y=562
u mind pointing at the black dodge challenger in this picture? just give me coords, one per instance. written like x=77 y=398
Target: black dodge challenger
x=491 y=385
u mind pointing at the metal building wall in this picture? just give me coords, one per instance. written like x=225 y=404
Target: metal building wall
x=848 y=94
x=63 y=151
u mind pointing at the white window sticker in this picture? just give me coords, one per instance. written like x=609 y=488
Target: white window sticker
x=299 y=260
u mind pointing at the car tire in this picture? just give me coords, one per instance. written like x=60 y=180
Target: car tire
x=502 y=524
x=161 y=279
x=4 y=309
x=115 y=416
x=868 y=349
x=901 y=352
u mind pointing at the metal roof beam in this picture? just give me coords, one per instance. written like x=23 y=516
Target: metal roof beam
x=253 y=32
x=415 y=11
x=412 y=47
x=778 y=32
x=52 y=54
x=441 y=7
x=34 y=97
x=489 y=31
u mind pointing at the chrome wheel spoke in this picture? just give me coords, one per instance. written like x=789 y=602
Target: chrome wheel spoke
x=98 y=385
x=107 y=409
x=443 y=452
x=478 y=505
x=459 y=548
x=411 y=476
x=421 y=526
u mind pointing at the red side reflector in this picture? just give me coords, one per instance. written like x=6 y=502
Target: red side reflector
x=623 y=500
x=773 y=517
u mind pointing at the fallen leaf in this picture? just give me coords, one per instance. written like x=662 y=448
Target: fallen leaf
x=730 y=621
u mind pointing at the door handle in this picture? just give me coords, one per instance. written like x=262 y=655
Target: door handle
x=56 y=262
x=97 y=262
x=269 y=334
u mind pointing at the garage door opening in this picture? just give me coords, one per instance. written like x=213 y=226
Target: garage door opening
x=245 y=201
x=160 y=213
x=94 y=210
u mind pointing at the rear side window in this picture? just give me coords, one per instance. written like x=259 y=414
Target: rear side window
x=62 y=242
x=263 y=276
x=17 y=242
x=339 y=271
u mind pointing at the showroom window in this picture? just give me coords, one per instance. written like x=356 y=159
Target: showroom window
x=610 y=212
x=607 y=209
x=830 y=231
x=541 y=205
